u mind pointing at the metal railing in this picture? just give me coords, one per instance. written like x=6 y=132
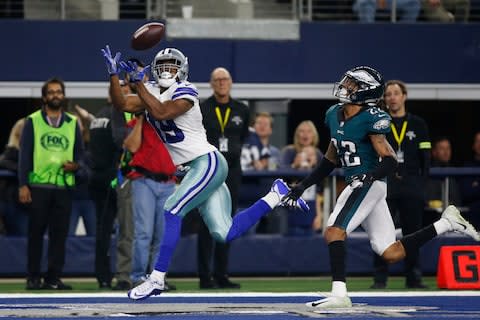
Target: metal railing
x=306 y=10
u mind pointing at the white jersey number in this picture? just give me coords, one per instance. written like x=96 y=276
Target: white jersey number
x=349 y=159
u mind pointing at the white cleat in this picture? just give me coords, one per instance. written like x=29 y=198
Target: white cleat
x=458 y=223
x=149 y=288
x=333 y=302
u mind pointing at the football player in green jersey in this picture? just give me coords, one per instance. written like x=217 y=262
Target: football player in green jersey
x=358 y=144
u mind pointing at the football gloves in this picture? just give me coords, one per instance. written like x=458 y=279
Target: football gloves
x=359 y=180
x=135 y=74
x=290 y=199
x=112 y=63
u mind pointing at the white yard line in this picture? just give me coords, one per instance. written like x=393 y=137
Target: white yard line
x=442 y=293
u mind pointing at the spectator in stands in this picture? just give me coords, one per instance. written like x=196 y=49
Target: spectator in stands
x=441 y=157
x=299 y=155
x=51 y=151
x=304 y=154
x=107 y=132
x=153 y=181
x=407 y=10
x=470 y=185
x=410 y=140
x=226 y=122
x=446 y=10
x=15 y=215
x=82 y=204
x=257 y=152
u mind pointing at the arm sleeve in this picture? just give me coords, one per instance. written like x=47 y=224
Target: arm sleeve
x=321 y=171
x=25 y=161
x=386 y=167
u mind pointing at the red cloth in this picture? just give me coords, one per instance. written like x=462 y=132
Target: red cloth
x=152 y=154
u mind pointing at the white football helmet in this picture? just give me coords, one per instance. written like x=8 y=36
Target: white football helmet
x=165 y=63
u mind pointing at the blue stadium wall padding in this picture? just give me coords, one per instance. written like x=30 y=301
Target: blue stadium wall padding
x=416 y=53
x=250 y=255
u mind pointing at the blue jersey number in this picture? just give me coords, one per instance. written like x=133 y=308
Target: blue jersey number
x=167 y=130
x=170 y=132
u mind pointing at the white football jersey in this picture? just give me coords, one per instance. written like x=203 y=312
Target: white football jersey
x=184 y=136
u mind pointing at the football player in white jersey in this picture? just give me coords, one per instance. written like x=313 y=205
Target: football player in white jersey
x=172 y=108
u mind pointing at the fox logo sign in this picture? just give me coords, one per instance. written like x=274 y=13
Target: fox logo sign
x=53 y=141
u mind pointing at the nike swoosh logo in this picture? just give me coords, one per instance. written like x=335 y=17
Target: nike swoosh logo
x=134 y=295
x=464 y=226
x=314 y=304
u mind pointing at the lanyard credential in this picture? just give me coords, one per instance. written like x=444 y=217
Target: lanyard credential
x=223 y=141
x=399 y=140
x=223 y=122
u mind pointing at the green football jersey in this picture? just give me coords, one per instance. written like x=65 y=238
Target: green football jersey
x=351 y=137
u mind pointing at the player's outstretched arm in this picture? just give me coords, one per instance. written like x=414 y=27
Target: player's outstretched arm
x=167 y=110
x=322 y=170
x=119 y=101
x=159 y=110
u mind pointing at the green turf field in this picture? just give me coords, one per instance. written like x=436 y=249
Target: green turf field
x=278 y=284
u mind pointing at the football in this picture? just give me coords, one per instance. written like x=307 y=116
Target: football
x=147 y=36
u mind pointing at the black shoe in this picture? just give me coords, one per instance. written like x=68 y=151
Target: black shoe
x=34 y=283
x=208 y=284
x=169 y=287
x=104 y=285
x=56 y=284
x=416 y=285
x=225 y=283
x=378 y=285
x=122 y=286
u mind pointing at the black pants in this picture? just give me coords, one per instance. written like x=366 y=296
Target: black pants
x=105 y=199
x=50 y=209
x=406 y=207
x=206 y=244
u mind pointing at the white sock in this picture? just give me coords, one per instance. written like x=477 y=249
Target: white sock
x=339 y=288
x=272 y=199
x=158 y=276
x=442 y=226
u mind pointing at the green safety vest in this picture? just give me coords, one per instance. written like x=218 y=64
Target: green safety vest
x=52 y=147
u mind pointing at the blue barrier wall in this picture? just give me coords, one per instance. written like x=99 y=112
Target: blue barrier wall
x=416 y=53
x=249 y=255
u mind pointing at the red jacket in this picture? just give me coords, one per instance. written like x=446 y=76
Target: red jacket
x=152 y=156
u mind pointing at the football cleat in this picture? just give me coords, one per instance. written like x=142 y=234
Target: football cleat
x=148 y=288
x=458 y=223
x=281 y=189
x=331 y=303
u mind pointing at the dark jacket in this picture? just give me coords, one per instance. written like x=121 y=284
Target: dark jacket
x=236 y=129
